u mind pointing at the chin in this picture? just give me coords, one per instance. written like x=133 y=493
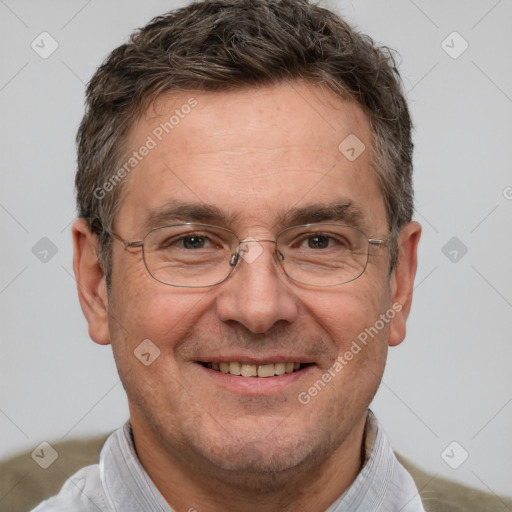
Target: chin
x=263 y=463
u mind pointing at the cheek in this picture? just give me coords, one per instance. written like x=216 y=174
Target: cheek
x=142 y=308
x=166 y=319
x=349 y=312
x=351 y=316
x=162 y=316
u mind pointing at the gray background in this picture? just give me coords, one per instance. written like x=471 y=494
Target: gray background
x=450 y=380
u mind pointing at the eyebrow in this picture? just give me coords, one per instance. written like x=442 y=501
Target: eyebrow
x=343 y=211
x=176 y=211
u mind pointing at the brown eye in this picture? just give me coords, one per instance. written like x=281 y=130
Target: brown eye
x=318 y=242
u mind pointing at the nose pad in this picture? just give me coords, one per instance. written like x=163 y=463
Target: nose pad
x=250 y=253
x=250 y=250
x=234 y=259
x=257 y=298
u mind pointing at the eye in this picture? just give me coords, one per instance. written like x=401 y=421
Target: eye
x=322 y=241
x=317 y=241
x=189 y=241
x=194 y=242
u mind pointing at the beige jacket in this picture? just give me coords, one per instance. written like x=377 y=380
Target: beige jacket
x=23 y=484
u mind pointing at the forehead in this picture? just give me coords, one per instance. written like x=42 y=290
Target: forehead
x=252 y=155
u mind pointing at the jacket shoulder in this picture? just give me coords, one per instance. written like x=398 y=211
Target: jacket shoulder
x=24 y=484
x=443 y=495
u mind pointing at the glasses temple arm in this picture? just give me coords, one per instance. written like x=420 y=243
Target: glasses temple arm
x=127 y=245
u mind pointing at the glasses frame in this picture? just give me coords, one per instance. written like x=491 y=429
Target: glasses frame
x=235 y=257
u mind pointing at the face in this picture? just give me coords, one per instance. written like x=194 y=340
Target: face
x=256 y=162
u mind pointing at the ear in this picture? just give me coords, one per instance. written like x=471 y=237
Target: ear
x=402 y=280
x=90 y=280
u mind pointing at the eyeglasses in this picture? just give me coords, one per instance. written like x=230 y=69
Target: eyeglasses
x=201 y=255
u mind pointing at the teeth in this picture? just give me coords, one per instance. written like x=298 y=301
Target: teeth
x=253 y=370
x=265 y=370
x=249 y=370
x=279 y=368
x=235 y=368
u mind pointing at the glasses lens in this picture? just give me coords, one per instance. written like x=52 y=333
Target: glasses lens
x=189 y=254
x=323 y=254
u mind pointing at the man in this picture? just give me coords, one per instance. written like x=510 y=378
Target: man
x=245 y=244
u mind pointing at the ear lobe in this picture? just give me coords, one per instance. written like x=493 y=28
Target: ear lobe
x=402 y=280
x=90 y=280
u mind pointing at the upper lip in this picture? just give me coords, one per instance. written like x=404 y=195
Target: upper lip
x=252 y=359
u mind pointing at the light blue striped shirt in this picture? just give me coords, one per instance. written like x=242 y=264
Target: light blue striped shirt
x=119 y=483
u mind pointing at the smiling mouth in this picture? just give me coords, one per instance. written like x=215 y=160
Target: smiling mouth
x=255 y=370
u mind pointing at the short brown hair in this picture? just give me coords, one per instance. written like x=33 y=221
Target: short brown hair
x=214 y=45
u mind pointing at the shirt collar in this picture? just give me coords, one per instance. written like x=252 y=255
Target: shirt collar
x=127 y=485
x=382 y=484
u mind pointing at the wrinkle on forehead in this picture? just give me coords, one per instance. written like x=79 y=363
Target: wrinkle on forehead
x=256 y=153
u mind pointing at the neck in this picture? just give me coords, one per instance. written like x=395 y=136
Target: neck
x=188 y=482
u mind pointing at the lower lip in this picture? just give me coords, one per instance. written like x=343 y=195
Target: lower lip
x=253 y=386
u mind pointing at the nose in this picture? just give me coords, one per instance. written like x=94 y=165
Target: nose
x=257 y=294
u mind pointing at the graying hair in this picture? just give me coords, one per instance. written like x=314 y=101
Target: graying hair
x=217 y=45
